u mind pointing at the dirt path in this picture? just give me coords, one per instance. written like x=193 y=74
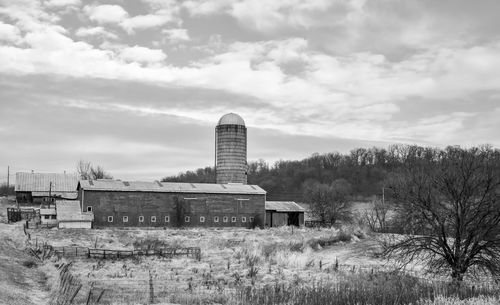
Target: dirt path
x=21 y=282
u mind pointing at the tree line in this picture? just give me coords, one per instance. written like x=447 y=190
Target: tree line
x=364 y=169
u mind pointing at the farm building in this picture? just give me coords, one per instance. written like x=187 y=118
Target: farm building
x=116 y=203
x=38 y=188
x=70 y=216
x=284 y=213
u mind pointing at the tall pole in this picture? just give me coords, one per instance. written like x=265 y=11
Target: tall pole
x=50 y=193
x=8 y=181
x=383 y=195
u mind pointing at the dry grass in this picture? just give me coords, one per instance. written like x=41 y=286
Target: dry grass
x=234 y=262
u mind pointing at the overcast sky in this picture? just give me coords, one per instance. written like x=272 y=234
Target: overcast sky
x=138 y=86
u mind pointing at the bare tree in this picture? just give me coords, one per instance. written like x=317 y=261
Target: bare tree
x=453 y=198
x=330 y=202
x=377 y=216
x=87 y=171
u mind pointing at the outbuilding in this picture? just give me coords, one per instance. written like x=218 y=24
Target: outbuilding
x=70 y=216
x=45 y=188
x=116 y=203
x=284 y=213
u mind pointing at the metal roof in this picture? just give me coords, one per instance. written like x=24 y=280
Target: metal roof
x=231 y=119
x=69 y=210
x=284 y=206
x=39 y=182
x=64 y=195
x=169 y=187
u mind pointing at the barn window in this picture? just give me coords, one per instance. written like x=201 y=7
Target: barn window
x=202 y=218
x=125 y=218
x=243 y=219
x=225 y=219
x=110 y=218
x=53 y=217
x=89 y=208
x=153 y=218
x=233 y=219
x=167 y=218
x=141 y=218
x=216 y=218
x=187 y=219
x=46 y=217
x=250 y=219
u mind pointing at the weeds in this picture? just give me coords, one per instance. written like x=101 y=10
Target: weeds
x=364 y=289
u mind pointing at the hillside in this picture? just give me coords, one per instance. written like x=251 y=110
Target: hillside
x=364 y=168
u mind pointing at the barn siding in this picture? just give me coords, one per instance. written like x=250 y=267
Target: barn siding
x=174 y=205
x=280 y=219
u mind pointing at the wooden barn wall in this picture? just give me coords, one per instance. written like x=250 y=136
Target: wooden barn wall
x=281 y=218
x=24 y=198
x=174 y=205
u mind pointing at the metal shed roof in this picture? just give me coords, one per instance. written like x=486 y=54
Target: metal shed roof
x=169 y=187
x=283 y=206
x=69 y=210
x=40 y=182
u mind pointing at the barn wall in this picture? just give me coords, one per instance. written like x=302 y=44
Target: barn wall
x=301 y=219
x=280 y=219
x=174 y=205
x=24 y=198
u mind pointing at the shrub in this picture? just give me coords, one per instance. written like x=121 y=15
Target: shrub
x=29 y=263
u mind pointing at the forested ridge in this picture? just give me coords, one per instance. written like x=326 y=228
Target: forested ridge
x=364 y=168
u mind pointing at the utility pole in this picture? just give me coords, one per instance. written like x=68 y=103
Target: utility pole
x=50 y=193
x=383 y=195
x=8 y=181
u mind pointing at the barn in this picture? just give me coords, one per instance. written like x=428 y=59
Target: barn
x=37 y=188
x=116 y=203
x=284 y=213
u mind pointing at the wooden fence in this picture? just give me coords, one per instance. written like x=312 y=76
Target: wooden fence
x=192 y=252
x=18 y=214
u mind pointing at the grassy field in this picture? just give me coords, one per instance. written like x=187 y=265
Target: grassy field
x=238 y=266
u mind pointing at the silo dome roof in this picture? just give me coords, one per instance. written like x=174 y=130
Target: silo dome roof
x=231 y=119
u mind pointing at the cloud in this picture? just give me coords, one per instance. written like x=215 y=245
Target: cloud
x=115 y=14
x=106 y=13
x=302 y=87
x=142 y=54
x=144 y=22
x=176 y=35
x=9 y=33
x=62 y=3
x=95 y=31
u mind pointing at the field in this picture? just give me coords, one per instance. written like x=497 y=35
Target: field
x=237 y=266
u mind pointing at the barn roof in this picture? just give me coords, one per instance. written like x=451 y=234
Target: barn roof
x=40 y=182
x=283 y=206
x=169 y=187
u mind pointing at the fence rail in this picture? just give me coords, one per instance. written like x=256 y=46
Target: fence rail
x=192 y=252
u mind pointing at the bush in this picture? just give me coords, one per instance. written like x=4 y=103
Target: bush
x=29 y=263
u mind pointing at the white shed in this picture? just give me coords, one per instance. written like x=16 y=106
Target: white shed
x=70 y=216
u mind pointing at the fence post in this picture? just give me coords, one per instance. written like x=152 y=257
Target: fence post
x=151 y=289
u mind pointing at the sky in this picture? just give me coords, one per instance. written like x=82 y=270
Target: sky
x=138 y=86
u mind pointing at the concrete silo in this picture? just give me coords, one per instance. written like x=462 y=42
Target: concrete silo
x=231 y=150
